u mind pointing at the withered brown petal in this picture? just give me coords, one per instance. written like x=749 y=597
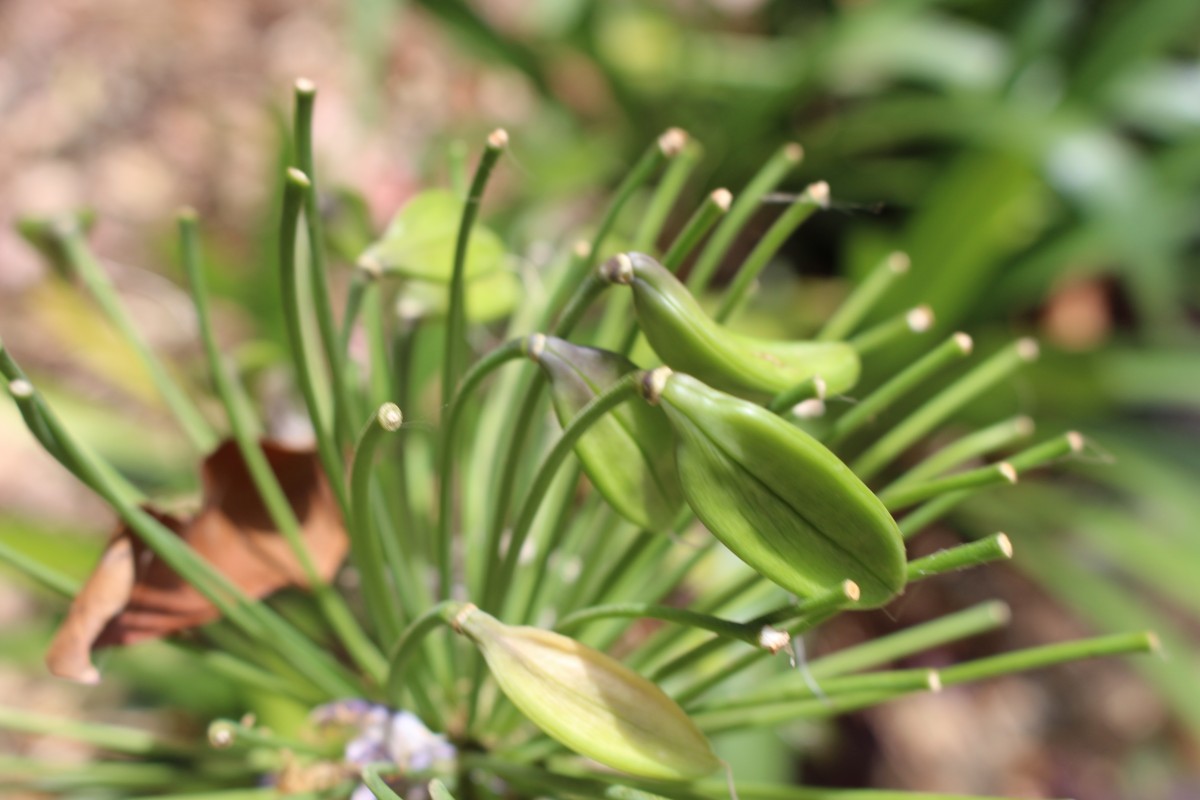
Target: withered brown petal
x=134 y=596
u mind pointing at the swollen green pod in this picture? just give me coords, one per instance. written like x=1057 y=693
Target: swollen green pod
x=629 y=454
x=590 y=702
x=776 y=497
x=687 y=339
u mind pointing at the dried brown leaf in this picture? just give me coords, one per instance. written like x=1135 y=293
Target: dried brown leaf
x=133 y=596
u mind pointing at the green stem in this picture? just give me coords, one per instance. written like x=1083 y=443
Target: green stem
x=665 y=195
x=225 y=733
x=855 y=308
x=510 y=468
x=929 y=512
x=297 y=189
x=796 y=688
x=343 y=409
x=714 y=207
x=915 y=320
x=767 y=178
x=938 y=507
x=114 y=738
x=902 y=644
x=668 y=146
x=955 y=347
x=740 y=712
x=379 y=358
x=365 y=545
x=496 y=579
x=530 y=584
x=374 y=780
x=810 y=613
x=49 y=578
x=600 y=405
x=35 y=413
x=362 y=280
x=74 y=247
x=407 y=646
x=269 y=793
x=1047 y=452
x=663 y=640
x=985 y=376
x=748 y=632
x=616 y=314
x=807 y=389
x=813 y=197
x=590 y=288
x=510 y=351
x=969 y=481
x=1049 y=655
x=814 y=708
x=456 y=313
x=996 y=547
x=971 y=446
x=266 y=483
x=125 y=776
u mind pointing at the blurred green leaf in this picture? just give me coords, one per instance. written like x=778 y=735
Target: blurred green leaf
x=419 y=241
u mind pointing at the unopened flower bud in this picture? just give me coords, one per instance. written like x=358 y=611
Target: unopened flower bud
x=590 y=702
x=629 y=454
x=778 y=499
x=688 y=340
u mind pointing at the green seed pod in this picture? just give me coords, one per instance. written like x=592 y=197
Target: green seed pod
x=776 y=497
x=590 y=702
x=687 y=339
x=629 y=455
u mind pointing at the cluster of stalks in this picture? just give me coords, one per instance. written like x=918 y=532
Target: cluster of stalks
x=473 y=512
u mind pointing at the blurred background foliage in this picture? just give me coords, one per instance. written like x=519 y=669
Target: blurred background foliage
x=1039 y=161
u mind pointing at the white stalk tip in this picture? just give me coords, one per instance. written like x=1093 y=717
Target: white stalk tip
x=1008 y=471
x=965 y=343
x=409 y=309
x=298 y=177
x=461 y=617
x=773 y=639
x=920 y=319
x=535 y=345
x=1025 y=426
x=899 y=263
x=1075 y=441
x=654 y=383
x=390 y=417
x=852 y=591
x=221 y=735
x=934 y=680
x=672 y=142
x=820 y=386
x=819 y=192
x=582 y=249
x=498 y=139
x=1005 y=544
x=305 y=86
x=20 y=389
x=371 y=266
x=722 y=199
x=1028 y=349
x=794 y=152
x=809 y=409
x=618 y=269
